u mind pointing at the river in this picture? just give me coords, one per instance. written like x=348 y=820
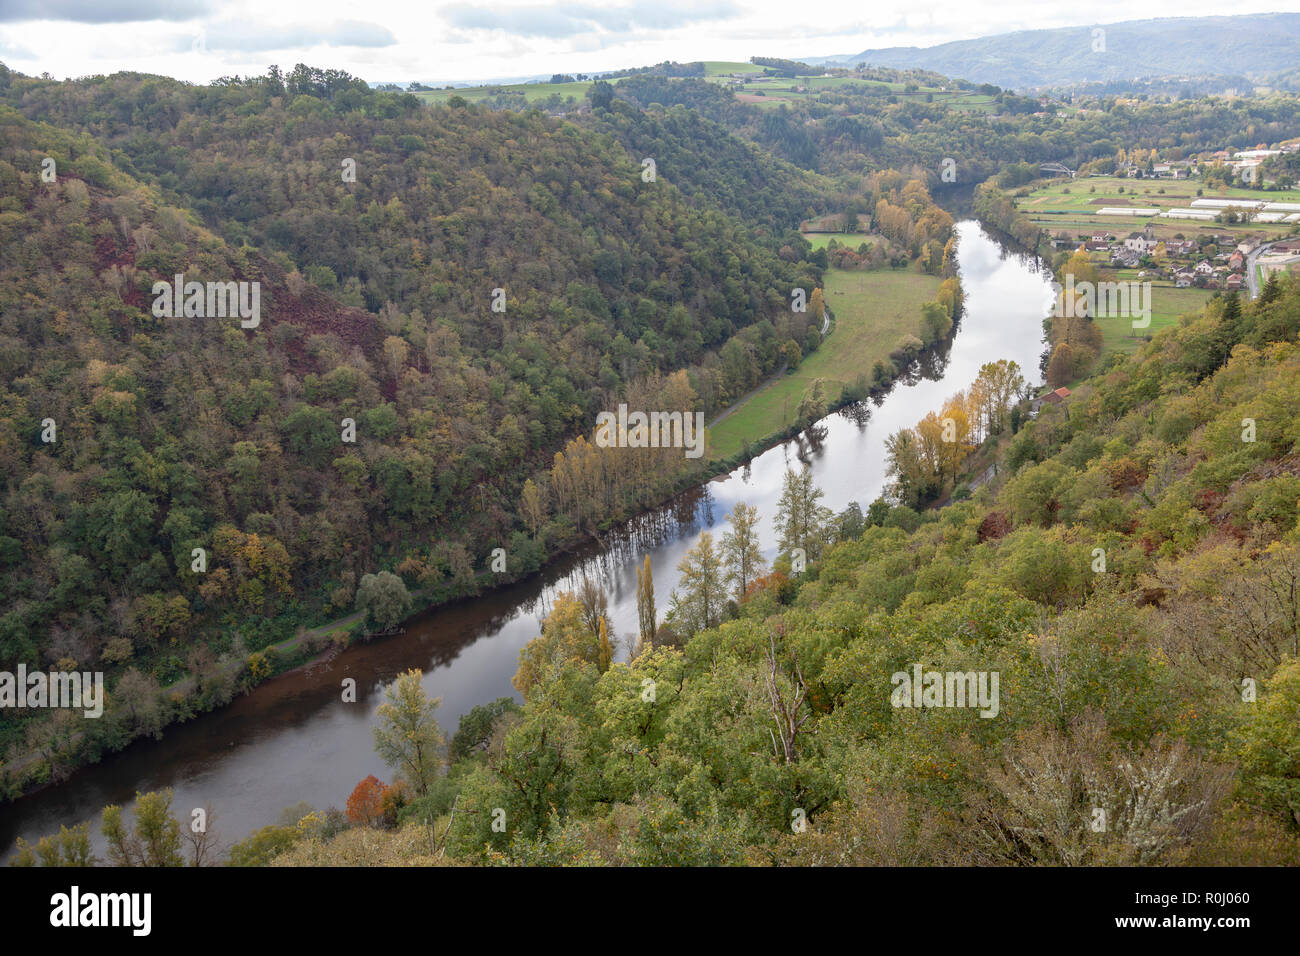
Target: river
x=293 y=739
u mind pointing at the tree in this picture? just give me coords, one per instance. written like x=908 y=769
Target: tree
x=800 y=521
x=408 y=737
x=1080 y=266
x=935 y=321
x=785 y=705
x=994 y=392
x=565 y=640
x=262 y=846
x=476 y=727
x=1269 y=742
x=1271 y=290
x=645 y=603
x=601 y=94
x=395 y=350
x=696 y=604
x=741 y=552
x=137 y=698
x=384 y=599
x=533 y=502
x=817 y=303
x=69 y=847
x=202 y=844
x=364 y=803
x=595 y=603
x=851 y=523
x=911 y=479
x=1061 y=368
x=605 y=649
x=155 y=838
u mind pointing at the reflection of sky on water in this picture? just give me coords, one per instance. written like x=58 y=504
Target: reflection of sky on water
x=296 y=740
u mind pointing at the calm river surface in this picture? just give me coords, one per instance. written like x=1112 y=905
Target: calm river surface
x=293 y=739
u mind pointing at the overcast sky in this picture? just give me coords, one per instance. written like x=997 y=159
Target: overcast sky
x=437 y=41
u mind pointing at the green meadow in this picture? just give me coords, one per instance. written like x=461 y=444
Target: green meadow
x=873 y=312
x=1167 y=305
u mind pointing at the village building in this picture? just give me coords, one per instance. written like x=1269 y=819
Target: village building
x=1055 y=397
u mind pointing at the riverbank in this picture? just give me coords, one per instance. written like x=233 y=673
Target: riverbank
x=293 y=738
x=873 y=311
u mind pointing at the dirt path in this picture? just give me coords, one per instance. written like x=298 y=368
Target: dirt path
x=775 y=377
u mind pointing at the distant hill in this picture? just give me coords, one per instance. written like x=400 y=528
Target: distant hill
x=1257 y=45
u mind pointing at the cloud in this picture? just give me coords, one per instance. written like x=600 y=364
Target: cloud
x=14 y=50
x=249 y=37
x=103 y=11
x=571 y=19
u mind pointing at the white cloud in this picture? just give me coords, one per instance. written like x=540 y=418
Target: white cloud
x=402 y=40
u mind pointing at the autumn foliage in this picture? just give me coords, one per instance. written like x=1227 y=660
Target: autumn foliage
x=365 y=807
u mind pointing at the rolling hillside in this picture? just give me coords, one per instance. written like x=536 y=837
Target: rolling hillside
x=1257 y=46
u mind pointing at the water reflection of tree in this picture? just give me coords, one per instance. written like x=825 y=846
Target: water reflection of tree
x=859 y=413
x=607 y=562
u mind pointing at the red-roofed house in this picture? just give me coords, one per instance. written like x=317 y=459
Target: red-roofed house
x=1051 y=398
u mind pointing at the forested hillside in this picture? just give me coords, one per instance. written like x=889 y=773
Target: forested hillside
x=1257 y=44
x=449 y=296
x=851 y=128
x=377 y=300
x=1133 y=583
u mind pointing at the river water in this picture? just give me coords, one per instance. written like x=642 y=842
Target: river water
x=294 y=739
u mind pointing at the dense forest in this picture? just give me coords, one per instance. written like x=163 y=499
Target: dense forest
x=843 y=130
x=1132 y=583
x=449 y=297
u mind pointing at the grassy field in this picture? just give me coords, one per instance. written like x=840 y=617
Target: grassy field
x=873 y=312
x=532 y=92
x=775 y=90
x=820 y=240
x=727 y=67
x=1167 y=304
x=1071 y=205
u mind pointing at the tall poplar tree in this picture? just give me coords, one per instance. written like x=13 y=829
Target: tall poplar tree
x=741 y=553
x=697 y=603
x=645 y=603
x=800 y=521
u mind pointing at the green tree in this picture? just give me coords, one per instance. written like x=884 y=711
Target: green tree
x=605 y=648
x=408 y=737
x=153 y=840
x=262 y=846
x=601 y=94
x=800 y=521
x=741 y=551
x=69 y=847
x=384 y=599
x=645 y=603
x=696 y=603
x=1269 y=745
x=476 y=727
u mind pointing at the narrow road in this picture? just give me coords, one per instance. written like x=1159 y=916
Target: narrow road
x=1252 y=274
